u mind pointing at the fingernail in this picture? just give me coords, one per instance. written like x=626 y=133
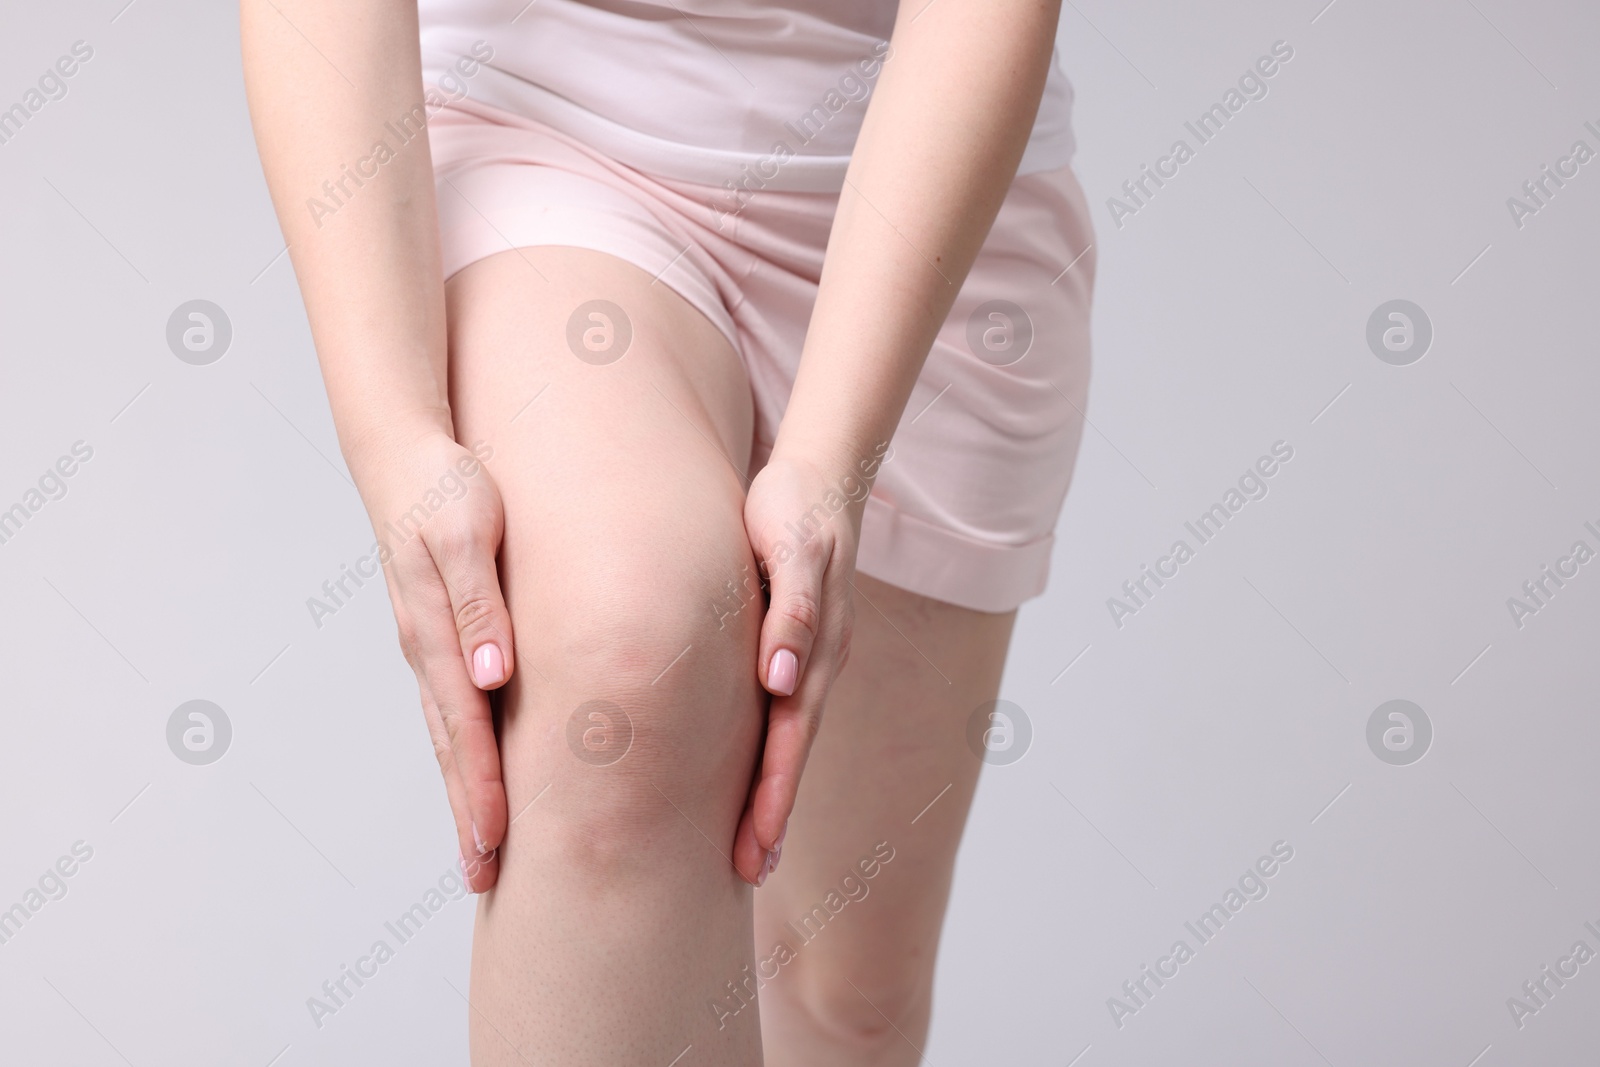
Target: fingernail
x=488 y=666
x=766 y=869
x=477 y=839
x=783 y=672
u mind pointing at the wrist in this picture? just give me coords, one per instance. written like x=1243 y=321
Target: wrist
x=834 y=452
x=839 y=468
x=377 y=439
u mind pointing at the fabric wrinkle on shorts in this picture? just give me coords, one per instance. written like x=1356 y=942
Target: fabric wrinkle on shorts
x=964 y=508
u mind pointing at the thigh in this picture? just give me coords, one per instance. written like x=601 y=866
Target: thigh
x=617 y=418
x=619 y=421
x=889 y=781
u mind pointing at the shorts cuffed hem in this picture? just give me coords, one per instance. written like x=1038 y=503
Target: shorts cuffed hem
x=915 y=555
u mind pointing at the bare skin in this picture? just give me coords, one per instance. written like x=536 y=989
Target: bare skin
x=591 y=530
x=617 y=906
x=891 y=766
x=632 y=850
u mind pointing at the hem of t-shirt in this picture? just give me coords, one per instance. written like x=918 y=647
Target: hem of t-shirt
x=799 y=173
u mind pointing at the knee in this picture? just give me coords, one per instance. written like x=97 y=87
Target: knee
x=883 y=1004
x=646 y=707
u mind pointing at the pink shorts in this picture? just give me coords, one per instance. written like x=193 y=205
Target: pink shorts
x=965 y=506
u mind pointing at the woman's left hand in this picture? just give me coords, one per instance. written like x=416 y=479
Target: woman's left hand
x=803 y=518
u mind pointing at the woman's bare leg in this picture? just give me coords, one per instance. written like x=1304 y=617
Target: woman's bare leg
x=618 y=917
x=858 y=990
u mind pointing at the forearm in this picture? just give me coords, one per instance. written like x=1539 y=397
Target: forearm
x=938 y=149
x=326 y=84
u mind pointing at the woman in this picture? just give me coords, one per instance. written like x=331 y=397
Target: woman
x=616 y=419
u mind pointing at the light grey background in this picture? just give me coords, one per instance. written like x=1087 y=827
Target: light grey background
x=1228 y=714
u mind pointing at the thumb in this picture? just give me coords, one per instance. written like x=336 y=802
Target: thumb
x=482 y=622
x=794 y=616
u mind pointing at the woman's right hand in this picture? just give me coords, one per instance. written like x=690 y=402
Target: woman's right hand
x=373 y=284
x=438 y=518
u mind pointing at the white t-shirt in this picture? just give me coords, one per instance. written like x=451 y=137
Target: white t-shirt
x=695 y=90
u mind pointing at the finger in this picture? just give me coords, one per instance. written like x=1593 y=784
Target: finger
x=463 y=707
x=465 y=560
x=752 y=861
x=792 y=726
x=794 y=617
x=479 y=872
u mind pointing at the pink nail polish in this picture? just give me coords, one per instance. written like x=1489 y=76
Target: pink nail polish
x=766 y=869
x=488 y=666
x=783 y=672
x=777 y=849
